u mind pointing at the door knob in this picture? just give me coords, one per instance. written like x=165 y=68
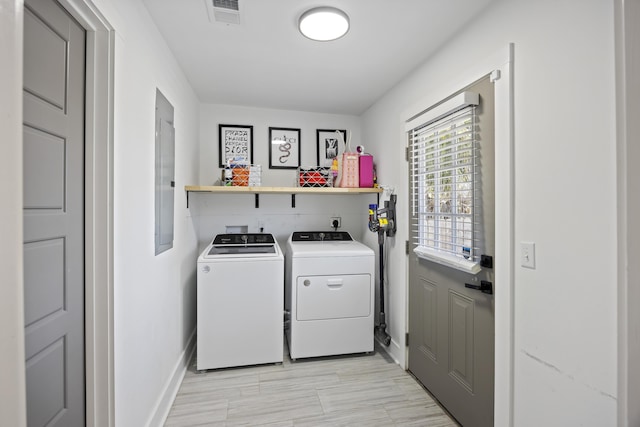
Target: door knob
x=484 y=287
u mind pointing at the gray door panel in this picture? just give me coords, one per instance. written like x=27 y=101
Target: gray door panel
x=44 y=181
x=44 y=279
x=53 y=136
x=45 y=385
x=451 y=327
x=451 y=344
x=45 y=34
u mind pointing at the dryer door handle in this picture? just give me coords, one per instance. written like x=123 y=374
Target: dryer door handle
x=334 y=283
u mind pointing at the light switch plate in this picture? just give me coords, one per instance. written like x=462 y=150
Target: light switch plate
x=528 y=254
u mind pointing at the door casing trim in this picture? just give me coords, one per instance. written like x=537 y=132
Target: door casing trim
x=627 y=51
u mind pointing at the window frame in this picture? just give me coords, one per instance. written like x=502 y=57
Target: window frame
x=424 y=133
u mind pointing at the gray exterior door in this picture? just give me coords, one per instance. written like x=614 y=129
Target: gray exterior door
x=451 y=327
x=53 y=133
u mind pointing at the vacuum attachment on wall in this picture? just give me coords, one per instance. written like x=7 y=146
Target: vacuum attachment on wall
x=383 y=221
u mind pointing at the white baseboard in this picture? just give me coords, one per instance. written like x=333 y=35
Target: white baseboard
x=395 y=352
x=163 y=406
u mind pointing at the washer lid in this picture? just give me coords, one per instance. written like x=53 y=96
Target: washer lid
x=240 y=250
x=242 y=245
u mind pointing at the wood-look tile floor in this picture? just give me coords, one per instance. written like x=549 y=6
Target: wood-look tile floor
x=359 y=390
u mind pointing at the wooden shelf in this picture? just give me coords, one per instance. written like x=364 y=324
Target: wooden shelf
x=217 y=189
x=278 y=190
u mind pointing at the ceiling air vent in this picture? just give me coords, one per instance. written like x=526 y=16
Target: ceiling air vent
x=223 y=11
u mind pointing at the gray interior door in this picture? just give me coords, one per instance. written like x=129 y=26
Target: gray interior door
x=53 y=133
x=451 y=327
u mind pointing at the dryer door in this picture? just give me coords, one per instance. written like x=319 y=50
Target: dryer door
x=333 y=297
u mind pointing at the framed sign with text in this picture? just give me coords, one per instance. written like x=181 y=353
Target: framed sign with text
x=236 y=144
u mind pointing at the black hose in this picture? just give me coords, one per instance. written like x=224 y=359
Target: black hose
x=381 y=250
x=381 y=329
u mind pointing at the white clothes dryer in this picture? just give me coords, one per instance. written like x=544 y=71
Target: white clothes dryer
x=240 y=293
x=329 y=294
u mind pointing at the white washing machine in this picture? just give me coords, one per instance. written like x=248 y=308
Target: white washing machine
x=240 y=301
x=329 y=294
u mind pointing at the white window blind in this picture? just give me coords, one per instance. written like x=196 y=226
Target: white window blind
x=444 y=168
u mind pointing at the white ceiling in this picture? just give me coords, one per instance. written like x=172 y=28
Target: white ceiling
x=265 y=62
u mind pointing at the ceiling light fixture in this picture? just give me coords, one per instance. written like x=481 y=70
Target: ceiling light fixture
x=324 y=23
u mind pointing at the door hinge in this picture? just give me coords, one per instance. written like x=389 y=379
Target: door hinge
x=406 y=339
x=406 y=153
x=406 y=247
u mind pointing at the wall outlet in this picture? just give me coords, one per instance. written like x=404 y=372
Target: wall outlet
x=336 y=222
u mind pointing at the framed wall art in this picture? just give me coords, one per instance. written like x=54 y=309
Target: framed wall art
x=236 y=143
x=284 y=148
x=330 y=145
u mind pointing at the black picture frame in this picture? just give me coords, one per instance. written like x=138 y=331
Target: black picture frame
x=236 y=141
x=329 y=146
x=284 y=148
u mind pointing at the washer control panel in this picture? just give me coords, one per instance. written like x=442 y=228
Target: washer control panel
x=320 y=236
x=243 y=239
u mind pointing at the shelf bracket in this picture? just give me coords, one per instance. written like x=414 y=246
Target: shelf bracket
x=293 y=200
x=257 y=200
x=187 y=199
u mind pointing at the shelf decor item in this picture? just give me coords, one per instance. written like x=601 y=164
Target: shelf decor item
x=314 y=177
x=242 y=176
x=330 y=145
x=284 y=148
x=236 y=144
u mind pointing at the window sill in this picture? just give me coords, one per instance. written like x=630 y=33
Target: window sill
x=448 y=260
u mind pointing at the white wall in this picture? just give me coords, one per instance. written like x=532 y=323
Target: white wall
x=12 y=381
x=213 y=212
x=565 y=309
x=154 y=296
x=211 y=115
